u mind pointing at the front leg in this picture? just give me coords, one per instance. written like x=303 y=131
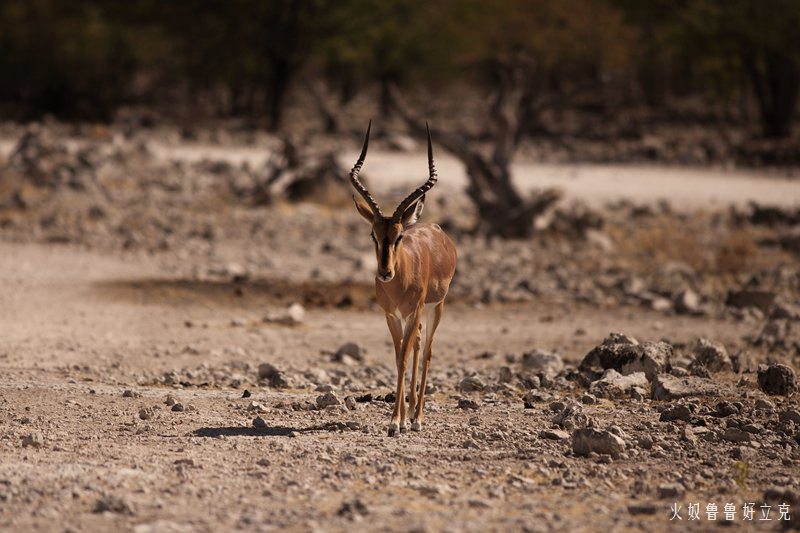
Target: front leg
x=398 y=421
x=396 y=330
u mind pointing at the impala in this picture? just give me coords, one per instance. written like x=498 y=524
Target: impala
x=416 y=263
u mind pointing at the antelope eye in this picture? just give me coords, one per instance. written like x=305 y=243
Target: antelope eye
x=372 y=235
x=399 y=238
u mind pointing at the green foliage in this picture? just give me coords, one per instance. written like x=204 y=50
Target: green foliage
x=741 y=471
x=84 y=57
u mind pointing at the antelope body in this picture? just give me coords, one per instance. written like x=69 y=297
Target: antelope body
x=416 y=263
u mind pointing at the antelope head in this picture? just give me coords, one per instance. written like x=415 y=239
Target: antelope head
x=387 y=232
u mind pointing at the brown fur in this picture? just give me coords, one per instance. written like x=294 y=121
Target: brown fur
x=420 y=267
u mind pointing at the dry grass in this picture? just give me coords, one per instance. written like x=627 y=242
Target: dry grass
x=696 y=241
x=737 y=250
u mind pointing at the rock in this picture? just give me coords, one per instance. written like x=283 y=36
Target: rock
x=466 y=403
x=112 y=504
x=784 y=311
x=588 y=399
x=615 y=351
x=570 y=417
x=627 y=356
x=777 y=334
x=777 y=379
x=131 y=394
x=505 y=375
x=764 y=405
x=256 y=407
x=670 y=490
x=327 y=399
x=533 y=397
x=782 y=495
x=246 y=394
x=588 y=440
x=350 y=403
x=652 y=360
x=639 y=393
x=178 y=408
x=688 y=302
x=642 y=508
x=712 y=355
x=541 y=362
x=557 y=406
x=259 y=423
x=277 y=378
x=169 y=401
x=293 y=315
x=667 y=387
x=471 y=384
x=676 y=412
x=700 y=371
x=349 y=349
x=146 y=413
x=661 y=304
x=615 y=385
x=353 y=510
x=554 y=434
x=688 y=434
x=743 y=453
x=736 y=435
x=762 y=300
x=790 y=414
x=34 y=440
x=679 y=371
x=725 y=408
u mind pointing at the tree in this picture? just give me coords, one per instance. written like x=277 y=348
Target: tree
x=502 y=209
x=722 y=42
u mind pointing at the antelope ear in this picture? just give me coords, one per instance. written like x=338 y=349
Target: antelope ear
x=364 y=210
x=412 y=212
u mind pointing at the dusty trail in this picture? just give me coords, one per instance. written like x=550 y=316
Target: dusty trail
x=685 y=187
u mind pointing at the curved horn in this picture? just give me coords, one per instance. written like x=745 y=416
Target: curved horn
x=425 y=187
x=354 y=176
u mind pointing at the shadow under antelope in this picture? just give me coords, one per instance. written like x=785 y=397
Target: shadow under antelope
x=416 y=263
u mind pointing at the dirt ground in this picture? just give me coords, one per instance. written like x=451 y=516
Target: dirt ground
x=153 y=379
x=79 y=328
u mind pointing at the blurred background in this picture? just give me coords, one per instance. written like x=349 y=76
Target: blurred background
x=664 y=131
x=730 y=64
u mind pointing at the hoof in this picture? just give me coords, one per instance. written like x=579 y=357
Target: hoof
x=416 y=426
x=393 y=430
x=403 y=429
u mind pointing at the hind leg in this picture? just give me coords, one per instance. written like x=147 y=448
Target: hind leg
x=414 y=398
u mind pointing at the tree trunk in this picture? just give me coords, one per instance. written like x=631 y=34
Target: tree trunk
x=386 y=97
x=502 y=210
x=326 y=110
x=776 y=83
x=279 y=83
